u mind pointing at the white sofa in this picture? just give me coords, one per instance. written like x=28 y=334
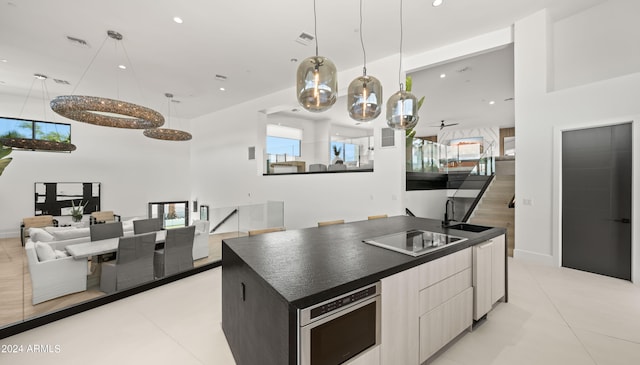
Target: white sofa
x=55 y=276
x=201 y=240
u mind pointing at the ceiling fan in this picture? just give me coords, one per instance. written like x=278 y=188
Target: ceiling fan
x=442 y=125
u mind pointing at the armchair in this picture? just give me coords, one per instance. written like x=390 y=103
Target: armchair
x=201 y=239
x=103 y=217
x=56 y=277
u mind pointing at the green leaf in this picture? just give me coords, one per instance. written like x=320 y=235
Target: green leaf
x=408 y=84
x=4 y=151
x=420 y=102
x=3 y=163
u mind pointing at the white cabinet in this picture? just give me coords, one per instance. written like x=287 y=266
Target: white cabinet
x=424 y=308
x=399 y=316
x=488 y=275
x=444 y=323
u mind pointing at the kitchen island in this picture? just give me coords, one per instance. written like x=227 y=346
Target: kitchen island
x=268 y=279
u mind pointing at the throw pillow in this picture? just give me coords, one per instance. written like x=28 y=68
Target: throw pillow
x=44 y=252
x=40 y=235
x=61 y=254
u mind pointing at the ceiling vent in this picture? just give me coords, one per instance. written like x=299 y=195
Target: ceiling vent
x=305 y=38
x=221 y=77
x=78 y=41
x=61 y=82
x=464 y=69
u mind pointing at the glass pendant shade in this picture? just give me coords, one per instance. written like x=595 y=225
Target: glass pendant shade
x=317 y=84
x=402 y=110
x=364 y=98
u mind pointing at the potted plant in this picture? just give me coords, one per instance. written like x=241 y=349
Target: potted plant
x=77 y=211
x=336 y=151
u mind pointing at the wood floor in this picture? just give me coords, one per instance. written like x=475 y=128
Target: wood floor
x=15 y=282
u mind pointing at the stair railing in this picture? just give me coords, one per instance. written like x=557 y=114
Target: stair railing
x=475 y=183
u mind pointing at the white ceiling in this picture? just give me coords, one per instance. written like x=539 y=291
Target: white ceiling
x=250 y=42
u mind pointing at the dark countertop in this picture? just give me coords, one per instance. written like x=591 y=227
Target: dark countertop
x=308 y=266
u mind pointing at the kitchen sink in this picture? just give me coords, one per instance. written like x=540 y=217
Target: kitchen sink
x=469 y=227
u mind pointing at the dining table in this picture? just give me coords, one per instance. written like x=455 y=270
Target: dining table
x=98 y=250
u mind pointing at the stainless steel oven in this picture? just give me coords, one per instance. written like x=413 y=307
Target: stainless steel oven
x=338 y=329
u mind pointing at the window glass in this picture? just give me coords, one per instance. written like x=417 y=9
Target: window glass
x=15 y=128
x=53 y=132
x=283 y=146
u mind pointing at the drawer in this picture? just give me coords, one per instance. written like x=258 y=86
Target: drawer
x=444 y=267
x=441 y=325
x=444 y=290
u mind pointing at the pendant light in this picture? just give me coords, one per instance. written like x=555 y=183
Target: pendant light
x=103 y=111
x=167 y=134
x=365 y=92
x=402 y=107
x=317 y=79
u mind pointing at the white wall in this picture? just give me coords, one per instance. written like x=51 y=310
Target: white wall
x=132 y=169
x=599 y=44
x=541 y=117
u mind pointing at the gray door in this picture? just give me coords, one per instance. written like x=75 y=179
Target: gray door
x=596 y=200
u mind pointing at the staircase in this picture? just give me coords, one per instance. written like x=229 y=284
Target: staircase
x=493 y=209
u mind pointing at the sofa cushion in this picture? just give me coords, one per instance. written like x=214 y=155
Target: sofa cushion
x=45 y=252
x=68 y=234
x=40 y=235
x=61 y=254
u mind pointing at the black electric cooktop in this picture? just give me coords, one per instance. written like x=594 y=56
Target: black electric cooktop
x=414 y=242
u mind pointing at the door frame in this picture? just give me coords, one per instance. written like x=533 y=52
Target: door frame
x=556 y=226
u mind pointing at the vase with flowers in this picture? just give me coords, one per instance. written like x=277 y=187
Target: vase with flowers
x=77 y=211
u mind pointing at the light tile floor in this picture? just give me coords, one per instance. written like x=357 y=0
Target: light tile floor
x=554 y=316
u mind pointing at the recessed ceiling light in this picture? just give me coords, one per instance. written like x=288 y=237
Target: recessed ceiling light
x=4 y=61
x=437 y=2
x=122 y=67
x=492 y=102
x=442 y=76
x=222 y=89
x=177 y=19
x=294 y=60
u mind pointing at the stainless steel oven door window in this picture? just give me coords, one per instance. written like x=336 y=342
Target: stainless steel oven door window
x=342 y=335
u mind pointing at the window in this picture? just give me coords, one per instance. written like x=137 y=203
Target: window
x=31 y=129
x=283 y=140
x=347 y=152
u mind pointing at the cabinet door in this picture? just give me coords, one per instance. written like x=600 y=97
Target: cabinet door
x=444 y=323
x=482 y=281
x=399 y=327
x=497 y=269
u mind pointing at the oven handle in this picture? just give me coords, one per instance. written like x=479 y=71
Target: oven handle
x=341 y=312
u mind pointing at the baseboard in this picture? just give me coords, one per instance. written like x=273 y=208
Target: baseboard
x=535 y=257
x=100 y=301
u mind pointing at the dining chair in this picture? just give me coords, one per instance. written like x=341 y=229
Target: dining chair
x=133 y=264
x=141 y=226
x=376 y=216
x=329 y=223
x=256 y=232
x=106 y=230
x=177 y=254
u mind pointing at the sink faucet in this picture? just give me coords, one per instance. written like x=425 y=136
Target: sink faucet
x=447 y=221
